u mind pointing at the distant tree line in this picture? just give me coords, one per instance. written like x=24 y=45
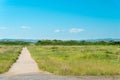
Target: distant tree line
x=7 y=42
x=60 y=42
x=75 y=42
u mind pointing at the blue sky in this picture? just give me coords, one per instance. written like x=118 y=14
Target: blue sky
x=59 y=19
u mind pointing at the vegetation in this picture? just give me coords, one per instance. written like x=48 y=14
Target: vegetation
x=66 y=57
x=74 y=42
x=8 y=55
x=78 y=60
x=7 y=42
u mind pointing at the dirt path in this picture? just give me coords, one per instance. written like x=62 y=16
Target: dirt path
x=24 y=65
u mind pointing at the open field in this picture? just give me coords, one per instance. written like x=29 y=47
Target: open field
x=78 y=60
x=8 y=55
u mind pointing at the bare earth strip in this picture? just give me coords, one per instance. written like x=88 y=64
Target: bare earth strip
x=24 y=65
x=26 y=68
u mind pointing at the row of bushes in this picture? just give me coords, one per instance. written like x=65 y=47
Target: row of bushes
x=60 y=42
x=75 y=42
x=14 y=43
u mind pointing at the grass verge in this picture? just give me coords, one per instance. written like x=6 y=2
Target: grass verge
x=8 y=55
x=78 y=60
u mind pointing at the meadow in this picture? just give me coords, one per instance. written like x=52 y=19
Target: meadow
x=8 y=55
x=78 y=60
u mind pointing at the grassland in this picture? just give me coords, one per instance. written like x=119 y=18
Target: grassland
x=78 y=60
x=8 y=55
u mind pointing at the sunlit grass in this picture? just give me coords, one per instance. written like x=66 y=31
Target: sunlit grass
x=78 y=60
x=8 y=55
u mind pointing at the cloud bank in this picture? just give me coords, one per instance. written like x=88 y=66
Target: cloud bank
x=72 y=30
x=76 y=30
x=25 y=27
x=3 y=28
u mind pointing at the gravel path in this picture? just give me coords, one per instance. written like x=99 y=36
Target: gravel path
x=25 y=64
x=26 y=68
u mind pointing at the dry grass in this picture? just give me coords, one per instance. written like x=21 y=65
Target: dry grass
x=8 y=55
x=78 y=60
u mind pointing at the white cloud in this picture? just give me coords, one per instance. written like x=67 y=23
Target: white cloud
x=3 y=28
x=25 y=27
x=76 y=30
x=72 y=30
x=58 y=30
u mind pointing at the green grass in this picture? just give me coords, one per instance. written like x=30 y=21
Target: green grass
x=78 y=60
x=8 y=55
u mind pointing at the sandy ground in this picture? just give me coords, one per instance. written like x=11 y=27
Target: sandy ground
x=26 y=68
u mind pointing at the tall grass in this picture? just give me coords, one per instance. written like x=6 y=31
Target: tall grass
x=78 y=60
x=8 y=55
